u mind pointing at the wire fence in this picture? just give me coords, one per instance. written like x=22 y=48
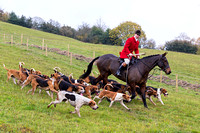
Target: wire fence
x=43 y=43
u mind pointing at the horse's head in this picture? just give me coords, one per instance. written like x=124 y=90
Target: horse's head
x=163 y=64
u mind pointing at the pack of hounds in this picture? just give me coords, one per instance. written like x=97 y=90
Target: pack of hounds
x=77 y=92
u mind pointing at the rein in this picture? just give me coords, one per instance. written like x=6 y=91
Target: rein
x=150 y=68
x=147 y=66
x=127 y=73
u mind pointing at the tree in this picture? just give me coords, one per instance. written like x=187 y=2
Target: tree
x=124 y=31
x=149 y=44
x=51 y=27
x=198 y=41
x=183 y=36
x=29 y=22
x=13 y=18
x=106 y=38
x=22 y=21
x=67 y=31
x=37 y=23
x=83 y=32
x=101 y=25
x=181 y=46
x=3 y=16
x=96 y=35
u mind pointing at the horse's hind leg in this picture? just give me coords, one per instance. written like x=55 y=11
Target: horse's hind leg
x=142 y=88
x=105 y=79
x=99 y=78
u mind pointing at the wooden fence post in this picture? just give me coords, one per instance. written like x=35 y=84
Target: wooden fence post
x=46 y=49
x=27 y=44
x=93 y=54
x=160 y=76
x=21 y=39
x=68 y=51
x=71 y=58
x=43 y=44
x=176 y=82
x=11 y=40
x=4 y=36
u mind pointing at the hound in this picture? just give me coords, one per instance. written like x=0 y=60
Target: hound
x=45 y=84
x=149 y=93
x=89 y=89
x=16 y=74
x=117 y=87
x=75 y=100
x=113 y=96
x=31 y=77
x=159 y=92
x=61 y=84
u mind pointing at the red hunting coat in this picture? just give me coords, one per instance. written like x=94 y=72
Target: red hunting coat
x=130 y=46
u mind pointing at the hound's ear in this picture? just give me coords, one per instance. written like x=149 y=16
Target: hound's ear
x=124 y=96
x=164 y=54
x=91 y=103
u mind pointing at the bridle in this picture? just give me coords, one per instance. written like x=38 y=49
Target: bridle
x=158 y=61
x=150 y=67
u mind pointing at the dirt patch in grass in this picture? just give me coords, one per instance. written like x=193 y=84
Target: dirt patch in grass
x=25 y=130
x=165 y=79
x=181 y=83
x=5 y=128
x=63 y=52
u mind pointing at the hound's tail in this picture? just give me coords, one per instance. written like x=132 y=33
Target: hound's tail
x=70 y=77
x=89 y=69
x=5 y=67
x=56 y=69
x=108 y=84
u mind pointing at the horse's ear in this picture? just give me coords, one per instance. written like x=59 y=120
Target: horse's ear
x=164 y=54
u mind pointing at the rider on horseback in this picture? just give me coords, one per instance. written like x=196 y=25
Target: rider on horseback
x=127 y=52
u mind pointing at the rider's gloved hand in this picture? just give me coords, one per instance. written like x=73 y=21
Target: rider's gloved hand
x=130 y=54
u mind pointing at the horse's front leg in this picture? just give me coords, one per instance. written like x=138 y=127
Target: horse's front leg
x=143 y=88
x=133 y=90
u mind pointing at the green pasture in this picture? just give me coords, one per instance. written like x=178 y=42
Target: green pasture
x=21 y=112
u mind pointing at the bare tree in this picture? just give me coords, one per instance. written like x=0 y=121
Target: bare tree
x=183 y=36
x=37 y=22
x=149 y=44
x=100 y=24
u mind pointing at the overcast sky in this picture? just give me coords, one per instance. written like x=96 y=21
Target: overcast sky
x=162 y=20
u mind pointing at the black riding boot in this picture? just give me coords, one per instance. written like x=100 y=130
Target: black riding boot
x=118 y=73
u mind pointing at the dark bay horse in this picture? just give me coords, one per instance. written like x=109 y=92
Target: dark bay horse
x=137 y=73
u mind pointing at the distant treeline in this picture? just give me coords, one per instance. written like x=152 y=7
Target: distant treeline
x=99 y=34
x=95 y=34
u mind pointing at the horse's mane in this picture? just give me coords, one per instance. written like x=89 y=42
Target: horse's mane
x=150 y=56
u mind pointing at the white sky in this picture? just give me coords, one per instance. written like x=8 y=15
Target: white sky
x=162 y=20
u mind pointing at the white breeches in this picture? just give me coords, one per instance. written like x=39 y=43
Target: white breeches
x=127 y=61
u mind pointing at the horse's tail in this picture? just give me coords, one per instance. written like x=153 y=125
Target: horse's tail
x=89 y=69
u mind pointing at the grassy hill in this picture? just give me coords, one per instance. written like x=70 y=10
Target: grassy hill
x=21 y=112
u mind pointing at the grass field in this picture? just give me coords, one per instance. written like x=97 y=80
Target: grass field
x=20 y=112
